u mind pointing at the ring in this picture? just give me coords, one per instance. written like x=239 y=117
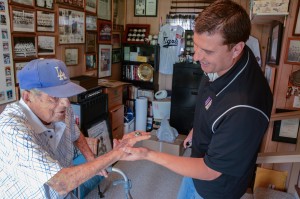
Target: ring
x=137 y=133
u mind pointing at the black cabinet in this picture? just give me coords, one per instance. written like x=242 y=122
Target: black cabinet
x=185 y=83
x=133 y=56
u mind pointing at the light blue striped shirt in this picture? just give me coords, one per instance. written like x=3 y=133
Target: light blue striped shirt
x=31 y=153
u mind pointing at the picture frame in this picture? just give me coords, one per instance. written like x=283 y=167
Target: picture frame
x=296 y=28
x=45 y=21
x=48 y=4
x=24 y=46
x=22 y=19
x=104 y=31
x=270 y=74
x=17 y=67
x=71 y=56
x=23 y=2
x=104 y=9
x=101 y=131
x=91 y=6
x=91 y=23
x=46 y=45
x=145 y=8
x=91 y=42
x=286 y=130
x=116 y=40
x=116 y=55
x=292 y=53
x=91 y=61
x=77 y=3
x=274 y=45
x=71 y=26
x=104 y=60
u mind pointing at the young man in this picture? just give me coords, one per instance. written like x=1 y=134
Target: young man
x=38 y=136
x=232 y=112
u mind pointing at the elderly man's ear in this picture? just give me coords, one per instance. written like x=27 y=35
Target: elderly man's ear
x=26 y=97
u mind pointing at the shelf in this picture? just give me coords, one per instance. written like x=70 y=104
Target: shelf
x=267 y=18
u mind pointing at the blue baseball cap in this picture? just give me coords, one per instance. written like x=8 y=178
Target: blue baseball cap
x=50 y=76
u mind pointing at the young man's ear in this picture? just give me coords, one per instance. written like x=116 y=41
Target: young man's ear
x=238 y=49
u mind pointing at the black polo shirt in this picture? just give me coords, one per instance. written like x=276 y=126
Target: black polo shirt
x=231 y=117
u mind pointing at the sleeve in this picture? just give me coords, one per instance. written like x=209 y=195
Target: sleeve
x=236 y=141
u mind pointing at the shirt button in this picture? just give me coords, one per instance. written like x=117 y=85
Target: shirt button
x=51 y=136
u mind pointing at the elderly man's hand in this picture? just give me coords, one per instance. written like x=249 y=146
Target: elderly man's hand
x=130 y=139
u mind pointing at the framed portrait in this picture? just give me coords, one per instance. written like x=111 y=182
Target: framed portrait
x=116 y=39
x=18 y=66
x=104 y=60
x=24 y=46
x=71 y=56
x=104 y=9
x=286 y=130
x=91 y=61
x=296 y=29
x=23 y=20
x=91 y=42
x=23 y=2
x=292 y=54
x=274 y=46
x=45 y=21
x=116 y=55
x=145 y=8
x=46 y=45
x=91 y=23
x=104 y=32
x=74 y=3
x=48 y=4
x=101 y=131
x=91 y=6
x=71 y=26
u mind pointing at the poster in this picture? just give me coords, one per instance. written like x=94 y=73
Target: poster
x=7 y=79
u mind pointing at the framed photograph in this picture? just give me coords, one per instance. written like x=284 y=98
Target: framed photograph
x=46 y=45
x=104 y=57
x=24 y=46
x=101 y=131
x=18 y=67
x=91 y=6
x=104 y=31
x=91 y=22
x=44 y=4
x=286 y=130
x=91 y=61
x=116 y=55
x=71 y=56
x=296 y=30
x=23 y=2
x=116 y=39
x=74 y=3
x=275 y=43
x=104 y=9
x=45 y=21
x=270 y=73
x=292 y=54
x=23 y=20
x=145 y=8
x=71 y=26
x=91 y=42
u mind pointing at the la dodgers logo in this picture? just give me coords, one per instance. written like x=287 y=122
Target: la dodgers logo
x=60 y=74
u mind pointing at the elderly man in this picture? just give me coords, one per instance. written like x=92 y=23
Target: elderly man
x=39 y=138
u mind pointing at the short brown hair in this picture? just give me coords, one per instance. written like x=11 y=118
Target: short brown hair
x=227 y=18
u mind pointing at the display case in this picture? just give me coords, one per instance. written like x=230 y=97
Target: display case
x=189 y=42
x=140 y=65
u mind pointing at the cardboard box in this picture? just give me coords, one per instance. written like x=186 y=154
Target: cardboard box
x=161 y=108
x=154 y=144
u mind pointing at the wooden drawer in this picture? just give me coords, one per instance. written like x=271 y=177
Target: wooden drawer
x=116 y=116
x=115 y=95
x=117 y=132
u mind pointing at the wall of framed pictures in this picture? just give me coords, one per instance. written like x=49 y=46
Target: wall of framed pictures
x=71 y=31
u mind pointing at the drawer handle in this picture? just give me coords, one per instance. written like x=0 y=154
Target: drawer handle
x=194 y=93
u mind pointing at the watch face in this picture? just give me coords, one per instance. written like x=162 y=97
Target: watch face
x=145 y=72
